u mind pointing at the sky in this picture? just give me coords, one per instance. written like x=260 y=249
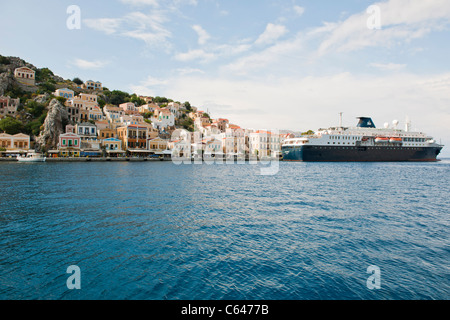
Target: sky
x=261 y=64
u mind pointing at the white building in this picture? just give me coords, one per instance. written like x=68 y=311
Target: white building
x=163 y=119
x=264 y=144
x=86 y=131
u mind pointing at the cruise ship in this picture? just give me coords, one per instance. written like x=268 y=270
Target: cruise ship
x=364 y=142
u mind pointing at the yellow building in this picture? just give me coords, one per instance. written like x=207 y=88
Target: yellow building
x=133 y=136
x=14 y=144
x=92 y=85
x=157 y=145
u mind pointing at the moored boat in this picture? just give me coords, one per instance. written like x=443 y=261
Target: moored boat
x=32 y=157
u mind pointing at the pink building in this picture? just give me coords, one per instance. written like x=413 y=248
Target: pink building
x=128 y=106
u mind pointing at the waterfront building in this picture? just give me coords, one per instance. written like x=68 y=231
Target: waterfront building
x=25 y=76
x=264 y=143
x=233 y=141
x=180 y=148
x=133 y=136
x=91 y=148
x=113 y=147
x=69 y=145
x=15 y=144
x=157 y=145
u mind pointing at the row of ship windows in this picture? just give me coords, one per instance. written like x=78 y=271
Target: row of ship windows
x=355 y=138
x=352 y=143
x=343 y=138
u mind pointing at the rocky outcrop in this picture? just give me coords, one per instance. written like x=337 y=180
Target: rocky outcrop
x=7 y=82
x=54 y=125
x=42 y=98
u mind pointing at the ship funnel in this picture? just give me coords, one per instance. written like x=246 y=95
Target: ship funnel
x=365 y=122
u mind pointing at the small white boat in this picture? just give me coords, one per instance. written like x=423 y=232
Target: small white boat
x=32 y=157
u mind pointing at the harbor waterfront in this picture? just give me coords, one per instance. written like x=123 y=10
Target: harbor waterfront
x=163 y=231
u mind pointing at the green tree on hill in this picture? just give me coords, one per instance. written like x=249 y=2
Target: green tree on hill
x=78 y=81
x=138 y=101
x=160 y=100
x=187 y=105
x=11 y=126
x=4 y=60
x=117 y=97
x=36 y=109
x=44 y=75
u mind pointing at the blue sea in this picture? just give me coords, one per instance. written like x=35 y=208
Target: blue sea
x=160 y=231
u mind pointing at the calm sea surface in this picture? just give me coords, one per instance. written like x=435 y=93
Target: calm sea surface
x=155 y=230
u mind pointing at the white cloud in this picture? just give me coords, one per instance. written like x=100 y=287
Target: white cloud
x=203 y=36
x=153 y=3
x=299 y=10
x=149 y=86
x=186 y=71
x=401 y=21
x=149 y=28
x=198 y=54
x=106 y=25
x=388 y=66
x=272 y=33
x=270 y=58
x=90 y=65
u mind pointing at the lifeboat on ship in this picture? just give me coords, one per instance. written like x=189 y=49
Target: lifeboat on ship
x=381 y=139
x=395 y=140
